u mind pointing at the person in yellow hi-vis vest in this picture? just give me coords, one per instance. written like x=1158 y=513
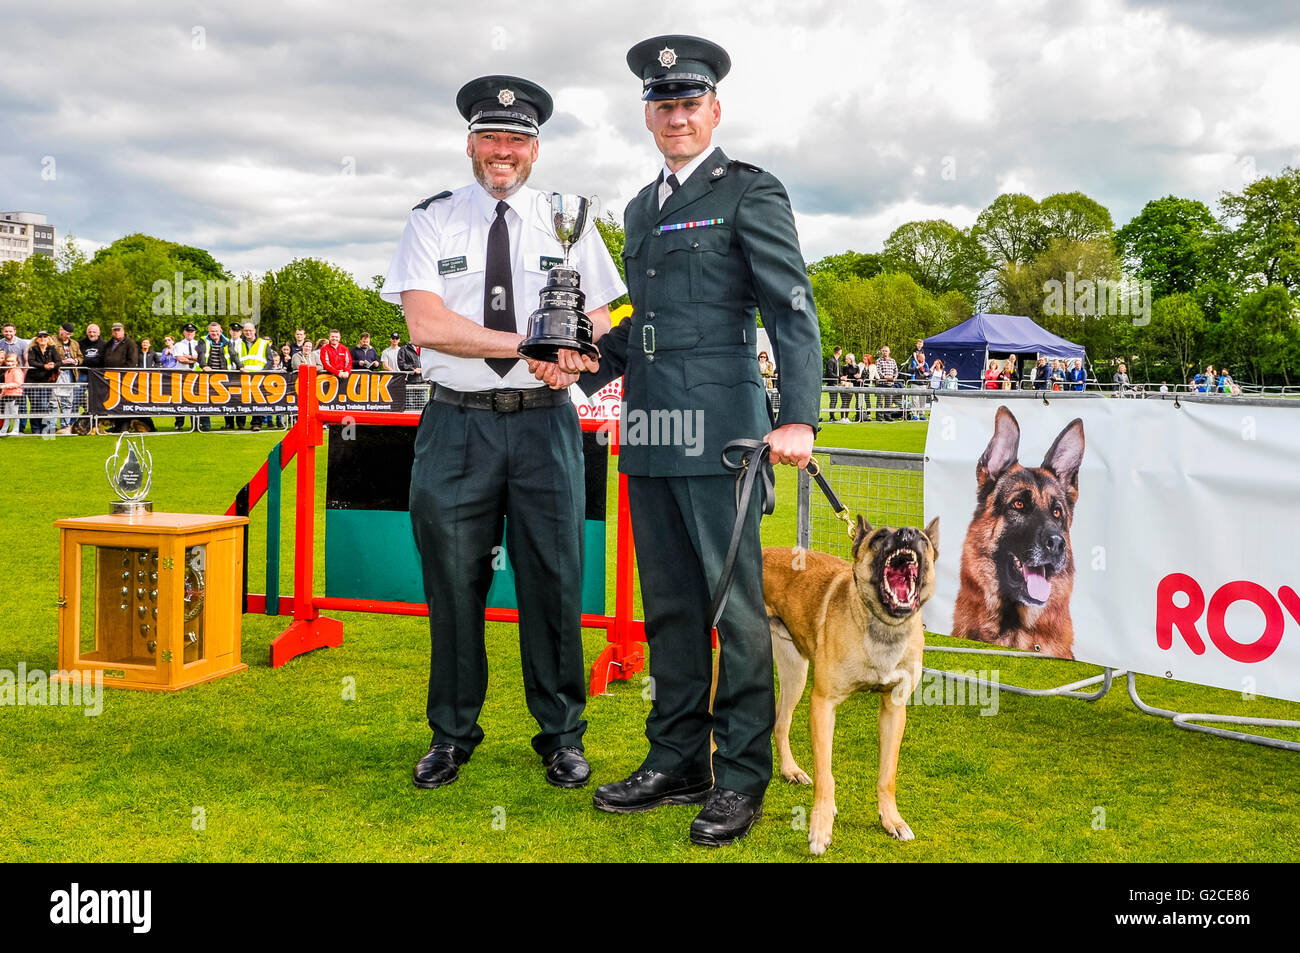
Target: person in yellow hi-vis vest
x=254 y=354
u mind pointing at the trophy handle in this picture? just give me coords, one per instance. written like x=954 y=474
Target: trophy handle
x=589 y=222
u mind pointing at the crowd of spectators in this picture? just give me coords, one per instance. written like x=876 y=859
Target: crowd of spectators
x=846 y=370
x=61 y=363
x=843 y=369
x=1211 y=382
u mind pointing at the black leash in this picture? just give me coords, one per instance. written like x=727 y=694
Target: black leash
x=751 y=462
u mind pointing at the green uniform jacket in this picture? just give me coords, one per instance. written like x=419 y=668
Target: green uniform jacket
x=688 y=352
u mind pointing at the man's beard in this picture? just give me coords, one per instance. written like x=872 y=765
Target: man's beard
x=507 y=190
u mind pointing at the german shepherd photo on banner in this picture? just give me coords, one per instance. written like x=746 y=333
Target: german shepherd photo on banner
x=1017 y=567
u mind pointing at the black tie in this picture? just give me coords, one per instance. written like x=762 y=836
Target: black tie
x=672 y=184
x=498 y=288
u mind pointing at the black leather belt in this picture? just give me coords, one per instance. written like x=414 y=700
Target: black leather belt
x=502 y=401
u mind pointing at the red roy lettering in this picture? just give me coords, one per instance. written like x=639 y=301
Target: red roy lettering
x=1185 y=618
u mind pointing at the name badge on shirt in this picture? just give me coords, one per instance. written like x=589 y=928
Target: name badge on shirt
x=549 y=263
x=451 y=266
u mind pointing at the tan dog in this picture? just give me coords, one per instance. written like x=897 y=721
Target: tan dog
x=859 y=623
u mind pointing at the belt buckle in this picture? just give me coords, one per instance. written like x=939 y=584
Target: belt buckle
x=507 y=401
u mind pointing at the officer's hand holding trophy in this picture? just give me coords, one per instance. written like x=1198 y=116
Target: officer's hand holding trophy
x=559 y=344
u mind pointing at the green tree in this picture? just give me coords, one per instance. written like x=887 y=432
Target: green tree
x=77 y=293
x=1011 y=230
x=1266 y=237
x=611 y=232
x=939 y=256
x=1169 y=243
x=1261 y=335
x=317 y=296
x=1073 y=217
x=849 y=264
x=29 y=293
x=862 y=314
x=140 y=281
x=1176 y=335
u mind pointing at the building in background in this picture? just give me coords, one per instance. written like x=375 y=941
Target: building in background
x=23 y=234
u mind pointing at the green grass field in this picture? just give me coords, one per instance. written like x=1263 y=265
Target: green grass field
x=281 y=765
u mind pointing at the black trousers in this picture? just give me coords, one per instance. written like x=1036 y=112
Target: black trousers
x=682 y=526
x=475 y=470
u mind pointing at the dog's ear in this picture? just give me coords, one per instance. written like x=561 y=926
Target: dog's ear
x=1066 y=456
x=932 y=531
x=1002 y=451
x=864 y=530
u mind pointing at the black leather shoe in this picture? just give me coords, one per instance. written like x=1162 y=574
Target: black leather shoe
x=726 y=817
x=440 y=766
x=646 y=789
x=567 y=768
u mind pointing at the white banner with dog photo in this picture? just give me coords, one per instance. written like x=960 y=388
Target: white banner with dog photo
x=1136 y=534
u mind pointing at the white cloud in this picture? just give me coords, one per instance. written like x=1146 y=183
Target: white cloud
x=872 y=114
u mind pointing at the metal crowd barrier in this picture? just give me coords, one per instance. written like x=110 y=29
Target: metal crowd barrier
x=417 y=395
x=877 y=403
x=888 y=489
x=44 y=408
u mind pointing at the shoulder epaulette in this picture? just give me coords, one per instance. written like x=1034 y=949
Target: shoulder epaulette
x=746 y=165
x=432 y=198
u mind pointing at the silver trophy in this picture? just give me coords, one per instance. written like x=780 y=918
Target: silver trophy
x=130 y=474
x=559 y=321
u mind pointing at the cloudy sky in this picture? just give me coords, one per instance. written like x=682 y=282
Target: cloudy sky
x=265 y=131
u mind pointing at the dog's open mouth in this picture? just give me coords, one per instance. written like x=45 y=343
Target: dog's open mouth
x=1038 y=579
x=898 y=585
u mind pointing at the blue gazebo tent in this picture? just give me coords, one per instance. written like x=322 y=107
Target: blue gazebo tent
x=970 y=345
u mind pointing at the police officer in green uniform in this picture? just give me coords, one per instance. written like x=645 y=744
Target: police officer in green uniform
x=708 y=242
x=495 y=447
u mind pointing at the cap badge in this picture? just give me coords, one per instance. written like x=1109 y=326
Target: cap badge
x=667 y=57
x=506 y=97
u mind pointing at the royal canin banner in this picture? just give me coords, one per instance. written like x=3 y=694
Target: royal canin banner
x=184 y=393
x=604 y=405
x=1146 y=535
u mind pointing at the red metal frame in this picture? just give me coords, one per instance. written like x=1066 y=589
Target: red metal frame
x=622 y=658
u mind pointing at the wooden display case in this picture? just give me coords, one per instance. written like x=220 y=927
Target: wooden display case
x=153 y=600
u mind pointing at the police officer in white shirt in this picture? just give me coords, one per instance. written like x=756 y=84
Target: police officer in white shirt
x=186 y=352
x=494 y=444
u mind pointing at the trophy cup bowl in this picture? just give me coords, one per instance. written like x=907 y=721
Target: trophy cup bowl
x=559 y=322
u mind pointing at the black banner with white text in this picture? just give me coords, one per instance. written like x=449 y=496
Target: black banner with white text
x=182 y=393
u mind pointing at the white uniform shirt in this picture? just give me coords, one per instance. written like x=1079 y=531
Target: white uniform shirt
x=444 y=250
x=187 y=347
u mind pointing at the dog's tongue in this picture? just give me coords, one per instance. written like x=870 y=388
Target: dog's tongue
x=898 y=583
x=1037 y=585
